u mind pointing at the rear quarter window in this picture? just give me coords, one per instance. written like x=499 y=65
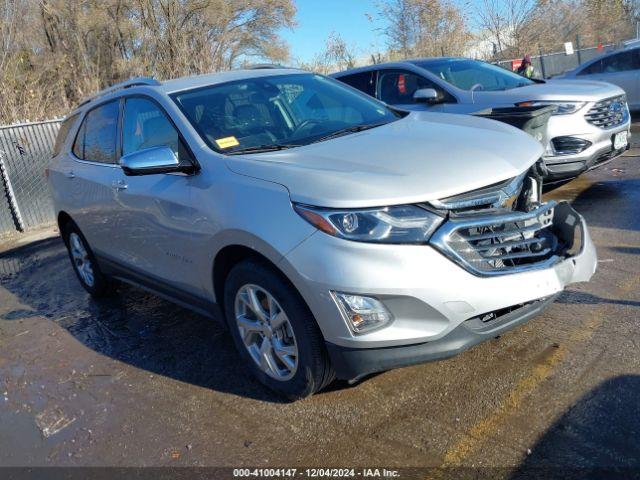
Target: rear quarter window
x=63 y=133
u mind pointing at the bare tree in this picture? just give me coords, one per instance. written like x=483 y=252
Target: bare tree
x=441 y=29
x=339 y=53
x=400 y=26
x=180 y=38
x=55 y=52
x=517 y=27
x=608 y=20
x=8 y=27
x=507 y=23
x=424 y=28
x=336 y=55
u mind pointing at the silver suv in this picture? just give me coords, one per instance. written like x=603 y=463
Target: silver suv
x=591 y=125
x=334 y=236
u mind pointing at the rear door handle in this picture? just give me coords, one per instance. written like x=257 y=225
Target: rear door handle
x=70 y=174
x=119 y=185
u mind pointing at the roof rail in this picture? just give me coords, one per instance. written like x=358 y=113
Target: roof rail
x=264 y=66
x=132 y=82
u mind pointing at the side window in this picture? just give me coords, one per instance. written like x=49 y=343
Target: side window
x=96 y=139
x=63 y=133
x=595 y=67
x=620 y=62
x=365 y=82
x=145 y=125
x=397 y=87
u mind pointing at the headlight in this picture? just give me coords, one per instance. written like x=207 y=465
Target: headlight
x=564 y=108
x=397 y=224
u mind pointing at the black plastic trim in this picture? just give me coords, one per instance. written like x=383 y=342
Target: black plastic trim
x=568 y=170
x=354 y=363
x=171 y=293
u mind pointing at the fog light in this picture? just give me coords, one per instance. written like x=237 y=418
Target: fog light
x=362 y=313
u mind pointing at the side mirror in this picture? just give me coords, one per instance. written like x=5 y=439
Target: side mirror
x=150 y=161
x=426 y=95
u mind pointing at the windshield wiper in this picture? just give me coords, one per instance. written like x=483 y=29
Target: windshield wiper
x=347 y=130
x=272 y=147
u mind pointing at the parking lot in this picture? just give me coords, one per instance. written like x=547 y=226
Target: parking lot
x=137 y=381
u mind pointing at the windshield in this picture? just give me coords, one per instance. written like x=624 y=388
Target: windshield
x=464 y=74
x=278 y=112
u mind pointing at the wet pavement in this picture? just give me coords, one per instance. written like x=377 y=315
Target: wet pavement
x=136 y=381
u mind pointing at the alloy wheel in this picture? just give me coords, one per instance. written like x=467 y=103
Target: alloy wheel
x=266 y=332
x=81 y=261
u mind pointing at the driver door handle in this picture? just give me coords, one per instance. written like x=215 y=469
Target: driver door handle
x=70 y=174
x=119 y=185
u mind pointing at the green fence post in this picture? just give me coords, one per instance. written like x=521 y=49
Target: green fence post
x=542 y=61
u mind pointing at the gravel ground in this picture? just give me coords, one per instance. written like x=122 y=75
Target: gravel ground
x=137 y=381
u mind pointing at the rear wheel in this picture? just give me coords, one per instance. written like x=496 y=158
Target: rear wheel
x=274 y=331
x=84 y=263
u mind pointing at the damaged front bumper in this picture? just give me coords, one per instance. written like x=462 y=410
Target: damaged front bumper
x=516 y=297
x=581 y=259
x=499 y=243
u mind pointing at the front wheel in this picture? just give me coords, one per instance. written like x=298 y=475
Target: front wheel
x=274 y=331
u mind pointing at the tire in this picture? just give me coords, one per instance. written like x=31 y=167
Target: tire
x=296 y=330
x=92 y=279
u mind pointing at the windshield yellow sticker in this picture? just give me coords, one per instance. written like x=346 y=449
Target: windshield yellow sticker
x=227 y=142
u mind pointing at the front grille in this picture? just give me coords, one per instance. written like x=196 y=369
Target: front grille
x=500 y=194
x=608 y=113
x=500 y=243
x=569 y=145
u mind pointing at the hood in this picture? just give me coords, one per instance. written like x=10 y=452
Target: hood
x=555 y=89
x=422 y=157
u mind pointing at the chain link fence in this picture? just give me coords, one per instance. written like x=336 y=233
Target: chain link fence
x=25 y=150
x=551 y=64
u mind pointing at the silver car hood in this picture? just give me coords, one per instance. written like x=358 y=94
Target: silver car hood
x=422 y=157
x=556 y=89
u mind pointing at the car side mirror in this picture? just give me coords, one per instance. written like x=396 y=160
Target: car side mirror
x=426 y=95
x=150 y=161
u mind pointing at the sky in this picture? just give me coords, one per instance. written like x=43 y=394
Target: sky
x=318 y=18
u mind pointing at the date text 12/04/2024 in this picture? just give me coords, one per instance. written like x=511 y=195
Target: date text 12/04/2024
x=316 y=472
